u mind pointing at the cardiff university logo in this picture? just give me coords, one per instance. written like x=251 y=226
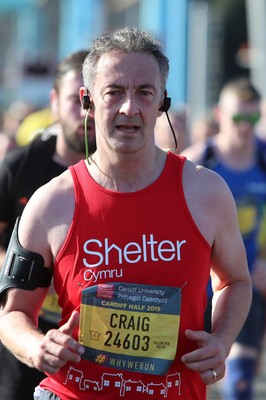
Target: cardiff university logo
x=105 y=291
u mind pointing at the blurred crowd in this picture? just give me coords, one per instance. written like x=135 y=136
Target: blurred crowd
x=20 y=122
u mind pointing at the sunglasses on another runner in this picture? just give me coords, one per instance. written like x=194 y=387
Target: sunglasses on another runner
x=251 y=119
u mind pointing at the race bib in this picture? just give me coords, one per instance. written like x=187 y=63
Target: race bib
x=130 y=326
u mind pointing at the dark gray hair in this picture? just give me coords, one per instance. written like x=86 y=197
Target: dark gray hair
x=126 y=40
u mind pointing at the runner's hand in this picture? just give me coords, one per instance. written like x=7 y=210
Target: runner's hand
x=209 y=359
x=58 y=347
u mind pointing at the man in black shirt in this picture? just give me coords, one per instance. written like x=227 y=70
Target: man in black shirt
x=23 y=171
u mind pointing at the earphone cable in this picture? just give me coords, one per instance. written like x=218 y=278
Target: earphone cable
x=86 y=135
x=172 y=130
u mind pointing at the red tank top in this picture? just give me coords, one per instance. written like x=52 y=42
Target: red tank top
x=145 y=237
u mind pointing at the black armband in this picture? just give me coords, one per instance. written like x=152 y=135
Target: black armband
x=22 y=268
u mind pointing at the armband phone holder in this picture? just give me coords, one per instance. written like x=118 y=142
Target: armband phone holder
x=22 y=268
